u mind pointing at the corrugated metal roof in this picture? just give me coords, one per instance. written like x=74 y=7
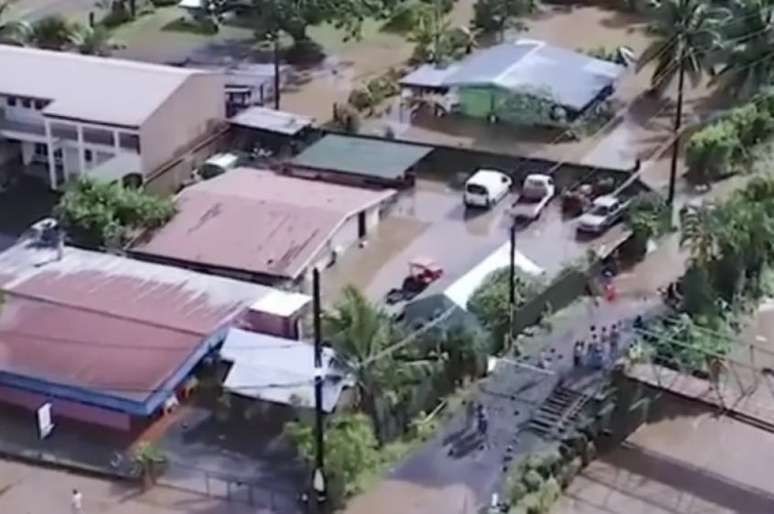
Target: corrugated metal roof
x=563 y=76
x=87 y=87
x=429 y=75
x=375 y=158
x=257 y=221
x=108 y=330
x=280 y=370
x=270 y=120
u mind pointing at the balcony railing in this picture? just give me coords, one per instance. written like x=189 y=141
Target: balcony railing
x=23 y=127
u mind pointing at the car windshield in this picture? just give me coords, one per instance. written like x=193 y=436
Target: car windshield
x=476 y=189
x=600 y=210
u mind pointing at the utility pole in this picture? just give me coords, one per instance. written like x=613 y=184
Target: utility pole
x=318 y=478
x=276 y=70
x=512 y=285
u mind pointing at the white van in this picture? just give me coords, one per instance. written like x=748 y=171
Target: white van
x=485 y=188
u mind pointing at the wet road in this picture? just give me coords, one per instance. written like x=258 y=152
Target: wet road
x=432 y=480
x=432 y=221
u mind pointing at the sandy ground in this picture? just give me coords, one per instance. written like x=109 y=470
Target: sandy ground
x=689 y=462
x=33 y=490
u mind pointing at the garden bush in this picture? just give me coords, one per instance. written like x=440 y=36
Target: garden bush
x=533 y=480
x=105 y=214
x=709 y=151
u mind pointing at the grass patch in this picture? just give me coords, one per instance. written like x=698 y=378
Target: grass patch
x=191 y=26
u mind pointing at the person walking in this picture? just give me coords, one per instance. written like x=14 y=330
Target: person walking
x=76 y=502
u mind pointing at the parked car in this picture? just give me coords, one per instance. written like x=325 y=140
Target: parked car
x=605 y=212
x=485 y=188
x=536 y=192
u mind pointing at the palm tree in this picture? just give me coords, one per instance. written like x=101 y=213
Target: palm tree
x=748 y=51
x=358 y=332
x=10 y=31
x=94 y=41
x=686 y=36
x=363 y=336
x=50 y=33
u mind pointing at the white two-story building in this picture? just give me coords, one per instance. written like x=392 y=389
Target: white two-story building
x=63 y=115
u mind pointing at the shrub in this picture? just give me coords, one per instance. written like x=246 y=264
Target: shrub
x=347 y=118
x=533 y=480
x=602 y=53
x=751 y=123
x=489 y=302
x=361 y=98
x=549 y=494
x=351 y=449
x=709 y=151
x=569 y=472
x=104 y=214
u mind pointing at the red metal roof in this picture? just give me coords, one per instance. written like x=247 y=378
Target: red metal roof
x=257 y=221
x=109 y=325
x=85 y=349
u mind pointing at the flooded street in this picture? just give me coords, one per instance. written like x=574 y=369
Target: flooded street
x=688 y=462
x=431 y=221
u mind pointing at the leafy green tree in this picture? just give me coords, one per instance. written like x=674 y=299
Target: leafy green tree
x=748 y=49
x=94 y=41
x=106 y=214
x=685 y=36
x=11 y=31
x=52 y=32
x=149 y=461
x=647 y=217
x=489 y=302
x=497 y=16
x=350 y=449
x=361 y=334
x=294 y=18
x=709 y=151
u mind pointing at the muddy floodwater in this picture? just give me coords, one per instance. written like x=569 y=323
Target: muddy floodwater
x=688 y=462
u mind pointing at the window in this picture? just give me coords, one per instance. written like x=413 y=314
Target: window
x=88 y=156
x=129 y=141
x=39 y=105
x=11 y=101
x=64 y=131
x=26 y=103
x=98 y=136
x=41 y=149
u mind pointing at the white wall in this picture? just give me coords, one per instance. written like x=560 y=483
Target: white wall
x=184 y=117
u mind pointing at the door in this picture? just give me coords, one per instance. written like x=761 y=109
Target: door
x=361 y=224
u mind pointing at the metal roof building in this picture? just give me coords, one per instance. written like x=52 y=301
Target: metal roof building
x=261 y=225
x=270 y=120
x=94 y=330
x=563 y=76
x=89 y=88
x=372 y=160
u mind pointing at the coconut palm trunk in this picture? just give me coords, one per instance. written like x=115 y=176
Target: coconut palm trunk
x=678 y=125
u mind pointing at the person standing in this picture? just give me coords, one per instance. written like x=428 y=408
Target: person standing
x=483 y=422
x=577 y=354
x=76 y=502
x=471 y=410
